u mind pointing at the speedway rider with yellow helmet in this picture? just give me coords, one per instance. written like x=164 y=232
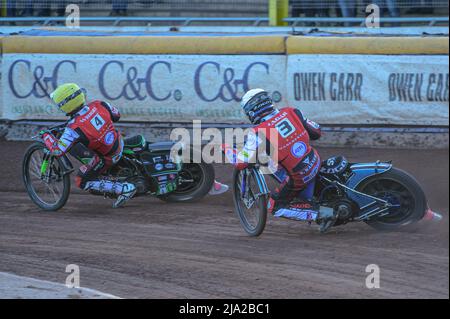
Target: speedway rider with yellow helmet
x=91 y=124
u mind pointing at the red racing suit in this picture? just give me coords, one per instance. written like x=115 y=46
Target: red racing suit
x=93 y=127
x=288 y=133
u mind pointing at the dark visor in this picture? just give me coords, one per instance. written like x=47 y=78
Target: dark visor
x=70 y=97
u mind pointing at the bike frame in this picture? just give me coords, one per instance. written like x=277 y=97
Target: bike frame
x=369 y=206
x=48 y=159
x=263 y=189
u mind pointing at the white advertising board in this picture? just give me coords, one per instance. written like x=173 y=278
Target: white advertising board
x=331 y=89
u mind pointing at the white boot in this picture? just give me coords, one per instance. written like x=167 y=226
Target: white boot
x=124 y=191
x=127 y=193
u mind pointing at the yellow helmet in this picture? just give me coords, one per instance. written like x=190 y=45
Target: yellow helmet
x=69 y=97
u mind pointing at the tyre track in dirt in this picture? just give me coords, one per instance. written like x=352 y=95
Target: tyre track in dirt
x=151 y=249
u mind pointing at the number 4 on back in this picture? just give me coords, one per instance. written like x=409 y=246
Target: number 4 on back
x=97 y=121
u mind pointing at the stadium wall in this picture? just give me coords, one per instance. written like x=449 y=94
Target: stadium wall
x=339 y=81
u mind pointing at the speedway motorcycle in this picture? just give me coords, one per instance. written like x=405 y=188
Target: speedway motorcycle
x=151 y=167
x=377 y=193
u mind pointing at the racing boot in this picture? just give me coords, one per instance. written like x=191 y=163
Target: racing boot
x=298 y=210
x=123 y=191
x=127 y=193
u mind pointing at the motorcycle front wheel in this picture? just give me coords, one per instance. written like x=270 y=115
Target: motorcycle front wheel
x=250 y=206
x=44 y=178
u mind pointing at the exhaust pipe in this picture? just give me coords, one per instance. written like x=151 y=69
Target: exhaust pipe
x=432 y=216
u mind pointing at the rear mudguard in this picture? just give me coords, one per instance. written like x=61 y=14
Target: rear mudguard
x=362 y=171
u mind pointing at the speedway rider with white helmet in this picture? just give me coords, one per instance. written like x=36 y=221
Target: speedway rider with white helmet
x=298 y=162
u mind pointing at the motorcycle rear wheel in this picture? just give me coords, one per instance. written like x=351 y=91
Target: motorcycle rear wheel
x=199 y=179
x=399 y=188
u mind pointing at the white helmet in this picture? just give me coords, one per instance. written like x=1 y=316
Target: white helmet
x=256 y=104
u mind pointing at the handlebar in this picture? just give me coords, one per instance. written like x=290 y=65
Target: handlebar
x=53 y=129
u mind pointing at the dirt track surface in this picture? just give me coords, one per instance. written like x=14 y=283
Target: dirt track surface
x=151 y=249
